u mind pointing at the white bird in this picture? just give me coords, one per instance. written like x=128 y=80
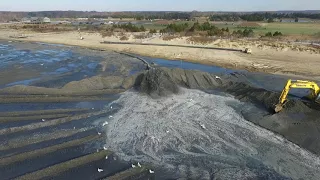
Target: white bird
x=100 y=170
x=110 y=116
x=92 y=108
x=106 y=157
x=42 y=64
x=99 y=133
x=217 y=77
x=43 y=120
x=74 y=127
x=203 y=126
x=111 y=107
x=151 y=172
x=139 y=164
x=105 y=123
x=105 y=148
x=133 y=166
x=167 y=131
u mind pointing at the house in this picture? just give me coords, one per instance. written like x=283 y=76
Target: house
x=46 y=20
x=110 y=22
x=35 y=20
x=26 y=20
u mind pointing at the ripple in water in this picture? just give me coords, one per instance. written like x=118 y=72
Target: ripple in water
x=198 y=135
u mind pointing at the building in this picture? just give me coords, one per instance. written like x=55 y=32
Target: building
x=26 y=20
x=35 y=20
x=46 y=20
x=110 y=22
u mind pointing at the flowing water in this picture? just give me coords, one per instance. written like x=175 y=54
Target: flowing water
x=201 y=136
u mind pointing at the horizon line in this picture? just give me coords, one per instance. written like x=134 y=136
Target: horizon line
x=163 y=11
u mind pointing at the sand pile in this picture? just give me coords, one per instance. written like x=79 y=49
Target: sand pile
x=157 y=83
x=162 y=81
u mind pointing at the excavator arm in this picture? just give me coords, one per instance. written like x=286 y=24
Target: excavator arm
x=298 y=84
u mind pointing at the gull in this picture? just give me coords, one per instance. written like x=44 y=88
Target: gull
x=167 y=131
x=92 y=108
x=203 y=126
x=43 y=120
x=105 y=123
x=151 y=172
x=133 y=166
x=42 y=64
x=105 y=148
x=99 y=133
x=217 y=77
x=139 y=164
x=111 y=107
x=100 y=170
x=110 y=116
x=106 y=157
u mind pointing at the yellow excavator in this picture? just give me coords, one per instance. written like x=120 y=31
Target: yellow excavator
x=314 y=95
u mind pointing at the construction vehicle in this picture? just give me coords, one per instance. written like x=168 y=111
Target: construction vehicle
x=298 y=84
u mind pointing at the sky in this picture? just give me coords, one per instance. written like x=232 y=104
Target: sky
x=159 y=5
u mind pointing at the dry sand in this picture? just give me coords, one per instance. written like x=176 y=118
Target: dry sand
x=266 y=57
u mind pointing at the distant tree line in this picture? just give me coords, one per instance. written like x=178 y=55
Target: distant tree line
x=130 y=27
x=175 y=28
x=149 y=15
x=154 y=15
x=209 y=29
x=261 y=16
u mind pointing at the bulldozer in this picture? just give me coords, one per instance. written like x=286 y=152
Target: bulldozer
x=298 y=84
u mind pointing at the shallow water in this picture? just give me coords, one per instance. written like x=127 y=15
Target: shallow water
x=49 y=65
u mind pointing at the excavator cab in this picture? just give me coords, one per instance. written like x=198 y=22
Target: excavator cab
x=299 y=84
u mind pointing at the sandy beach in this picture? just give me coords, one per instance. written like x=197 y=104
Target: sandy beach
x=270 y=58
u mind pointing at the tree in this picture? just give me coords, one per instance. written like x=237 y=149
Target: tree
x=268 y=34
x=142 y=28
x=270 y=20
x=277 y=33
x=152 y=31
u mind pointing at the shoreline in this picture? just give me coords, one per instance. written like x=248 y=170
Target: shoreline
x=226 y=59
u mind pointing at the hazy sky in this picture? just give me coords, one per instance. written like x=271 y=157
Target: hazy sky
x=158 y=5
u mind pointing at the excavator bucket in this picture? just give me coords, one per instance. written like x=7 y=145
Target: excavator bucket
x=277 y=108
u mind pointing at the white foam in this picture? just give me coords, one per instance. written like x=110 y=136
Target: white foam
x=168 y=132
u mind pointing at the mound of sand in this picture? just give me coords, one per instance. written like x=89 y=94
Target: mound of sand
x=157 y=82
